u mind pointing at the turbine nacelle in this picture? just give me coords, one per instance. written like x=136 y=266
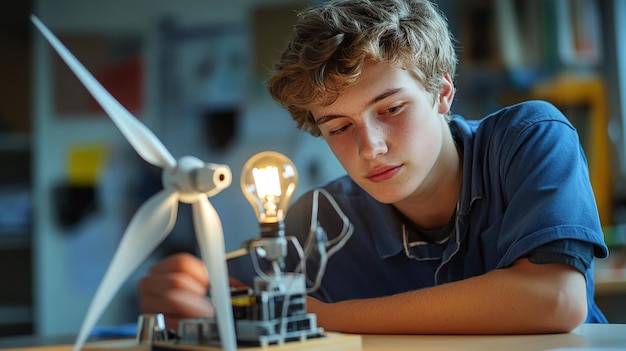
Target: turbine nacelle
x=192 y=178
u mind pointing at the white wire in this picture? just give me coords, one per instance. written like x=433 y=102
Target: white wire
x=346 y=231
x=338 y=242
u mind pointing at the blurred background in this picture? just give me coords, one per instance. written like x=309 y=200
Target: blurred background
x=193 y=71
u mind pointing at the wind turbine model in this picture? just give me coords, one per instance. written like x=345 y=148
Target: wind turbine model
x=188 y=180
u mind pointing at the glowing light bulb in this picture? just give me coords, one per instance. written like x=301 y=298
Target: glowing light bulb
x=268 y=180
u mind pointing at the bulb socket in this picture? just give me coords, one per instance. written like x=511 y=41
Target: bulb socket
x=272 y=230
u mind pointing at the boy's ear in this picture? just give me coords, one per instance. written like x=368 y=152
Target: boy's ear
x=446 y=94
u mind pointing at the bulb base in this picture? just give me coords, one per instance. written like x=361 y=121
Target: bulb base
x=272 y=230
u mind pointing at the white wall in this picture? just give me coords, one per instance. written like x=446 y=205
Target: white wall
x=70 y=263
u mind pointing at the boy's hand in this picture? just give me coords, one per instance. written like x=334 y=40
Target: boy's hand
x=176 y=287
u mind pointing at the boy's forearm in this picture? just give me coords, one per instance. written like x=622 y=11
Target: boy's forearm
x=526 y=298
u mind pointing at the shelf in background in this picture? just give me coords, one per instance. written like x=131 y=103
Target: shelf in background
x=615 y=236
x=19 y=314
x=14 y=141
x=14 y=239
x=610 y=273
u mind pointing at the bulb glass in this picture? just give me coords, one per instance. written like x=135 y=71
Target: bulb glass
x=268 y=180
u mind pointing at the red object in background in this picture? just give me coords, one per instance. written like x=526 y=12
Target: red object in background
x=124 y=80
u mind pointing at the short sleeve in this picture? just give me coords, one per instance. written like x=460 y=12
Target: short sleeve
x=546 y=185
x=575 y=253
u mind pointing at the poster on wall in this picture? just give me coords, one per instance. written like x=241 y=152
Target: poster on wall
x=210 y=65
x=205 y=72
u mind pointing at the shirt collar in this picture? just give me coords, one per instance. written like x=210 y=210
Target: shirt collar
x=463 y=132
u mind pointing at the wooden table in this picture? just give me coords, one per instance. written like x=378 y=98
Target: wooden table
x=586 y=337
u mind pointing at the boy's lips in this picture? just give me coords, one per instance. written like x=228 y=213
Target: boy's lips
x=381 y=174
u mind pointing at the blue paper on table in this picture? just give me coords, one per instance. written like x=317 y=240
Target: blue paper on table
x=124 y=330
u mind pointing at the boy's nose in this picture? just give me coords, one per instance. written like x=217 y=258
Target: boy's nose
x=372 y=142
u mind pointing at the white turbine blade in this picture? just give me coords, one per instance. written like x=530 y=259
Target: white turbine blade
x=147 y=145
x=211 y=241
x=150 y=225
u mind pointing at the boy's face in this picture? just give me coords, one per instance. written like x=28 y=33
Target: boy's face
x=387 y=133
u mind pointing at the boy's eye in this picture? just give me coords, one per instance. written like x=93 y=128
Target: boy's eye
x=392 y=110
x=339 y=130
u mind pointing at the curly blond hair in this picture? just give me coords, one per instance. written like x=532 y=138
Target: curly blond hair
x=331 y=42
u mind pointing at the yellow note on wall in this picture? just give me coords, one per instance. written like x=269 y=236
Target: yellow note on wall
x=85 y=164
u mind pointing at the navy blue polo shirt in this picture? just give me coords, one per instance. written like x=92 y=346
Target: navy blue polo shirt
x=525 y=191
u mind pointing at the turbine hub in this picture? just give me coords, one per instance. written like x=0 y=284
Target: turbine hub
x=193 y=178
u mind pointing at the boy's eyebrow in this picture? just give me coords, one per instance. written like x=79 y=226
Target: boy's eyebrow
x=384 y=95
